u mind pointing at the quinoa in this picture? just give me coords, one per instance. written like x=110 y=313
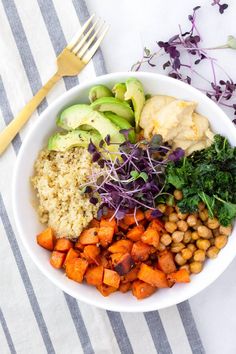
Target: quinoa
x=57 y=179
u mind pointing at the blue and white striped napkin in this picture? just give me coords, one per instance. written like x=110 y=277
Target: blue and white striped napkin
x=35 y=316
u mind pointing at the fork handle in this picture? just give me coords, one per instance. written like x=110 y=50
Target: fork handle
x=8 y=134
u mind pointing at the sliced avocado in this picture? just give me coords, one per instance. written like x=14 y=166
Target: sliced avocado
x=79 y=115
x=99 y=91
x=122 y=123
x=135 y=92
x=77 y=137
x=114 y=105
x=69 y=118
x=119 y=90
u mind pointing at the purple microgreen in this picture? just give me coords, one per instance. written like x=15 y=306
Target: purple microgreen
x=96 y=156
x=182 y=55
x=91 y=147
x=176 y=155
x=93 y=200
x=222 y=7
x=134 y=180
x=108 y=139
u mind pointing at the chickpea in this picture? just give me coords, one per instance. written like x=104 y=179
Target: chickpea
x=191 y=220
x=192 y=247
x=177 y=247
x=216 y=232
x=177 y=236
x=186 y=253
x=186 y=267
x=178 y=194
x=196 y=267
x=195 y=235
x=161 y=208
x=203 y=214
x=182 y=225
x=201 y=206
x=169 y=210
x=161 y=247
x=198 y=223
x=212 y=252
x=203 y=244
x=179 y=259
x=213 y=223
x=187 y=236
x=173 y=217
x=166 y=239
x=182 y=216
x=170 y=226
x=220 y=241
x=225 y=230
x=199 y=256
x=204 y=232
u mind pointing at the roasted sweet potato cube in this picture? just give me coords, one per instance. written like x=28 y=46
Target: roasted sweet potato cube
x=94 y=223
x=152 y=276
x=135 y=233
x=105 y=235
x=89 y=236
x=94 y=275
x=91 y=253
x=46 y=239
x=141 y=290
x=131 y=276
x=63 y=245
x=125 y=264
x=70 y=255
x=57 y=259
x=111 y=278
x=115 y=257
x=110 y=223
x=166 y=262
x=151 y=237
x=149 y=215
x=140 y=251
x=121 y=246
x=75 y=269
x=157 y=225
x=106 y=290
x=124 y=287
x=131 y=219
x=180 y=276
x=122 y=225
x=79 y=246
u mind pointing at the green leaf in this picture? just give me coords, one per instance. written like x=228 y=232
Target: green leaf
x=209 y=201
x=144 y=176
x=226 y=211
x=134 y=174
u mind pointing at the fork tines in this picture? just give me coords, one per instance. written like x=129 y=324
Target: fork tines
x=85 y=43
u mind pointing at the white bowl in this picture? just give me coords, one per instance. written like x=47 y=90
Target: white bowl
x=26 y=218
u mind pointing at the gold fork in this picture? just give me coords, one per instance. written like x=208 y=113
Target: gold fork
x=70 y=62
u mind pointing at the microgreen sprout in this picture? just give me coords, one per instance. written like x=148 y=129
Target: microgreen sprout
x=134 y=179
x=182 y=55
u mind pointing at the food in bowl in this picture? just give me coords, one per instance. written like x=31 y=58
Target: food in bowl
x=159 y=211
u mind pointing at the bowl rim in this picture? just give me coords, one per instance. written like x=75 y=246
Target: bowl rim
x=140 y=306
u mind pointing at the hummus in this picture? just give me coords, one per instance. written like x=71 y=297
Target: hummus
x=177 y=122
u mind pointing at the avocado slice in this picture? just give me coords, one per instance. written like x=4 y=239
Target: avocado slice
x=135 y=92
x=77 y=137
x=69 y=118
x=79 y=115
x=99 y=91
x=114 y=105
x=122 y=123
x=119 y=90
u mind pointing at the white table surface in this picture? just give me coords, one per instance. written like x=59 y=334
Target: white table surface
x=139 y=23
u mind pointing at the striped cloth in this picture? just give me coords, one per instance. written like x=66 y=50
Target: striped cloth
x=35 y=316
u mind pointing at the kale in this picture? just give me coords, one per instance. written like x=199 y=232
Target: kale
x=208 y=175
